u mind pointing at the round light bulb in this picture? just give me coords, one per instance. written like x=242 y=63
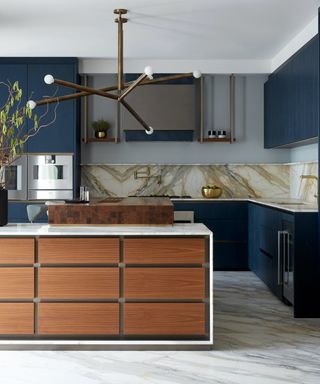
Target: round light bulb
x=49 y=79
x=31 y=104
x=197 y=74
x=148 y=71
x=149 y=131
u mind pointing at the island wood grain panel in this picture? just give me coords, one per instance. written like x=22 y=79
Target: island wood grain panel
x=17 y=283
x=16 y=251
x=164 y=319
x=78 y=283
x=78 y=319
x=78 y=250
x=171 y=250
x=16 y=319
x=164 y=283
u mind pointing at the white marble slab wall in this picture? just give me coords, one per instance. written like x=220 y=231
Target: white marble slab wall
x=304 y=189
x=236 y=180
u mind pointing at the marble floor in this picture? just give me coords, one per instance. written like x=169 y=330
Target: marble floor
x=256 y=342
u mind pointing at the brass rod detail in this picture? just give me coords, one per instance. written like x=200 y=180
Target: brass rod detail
x=135 y=115
x=84 y=88
x=167 y=78
x=133 y=86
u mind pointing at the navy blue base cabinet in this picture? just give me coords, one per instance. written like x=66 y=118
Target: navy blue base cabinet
x=283 y=253
x=228 y=222
x=17 y=213
x=291 y=97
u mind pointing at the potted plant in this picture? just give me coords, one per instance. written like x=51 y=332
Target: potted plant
x=18 y=124
x=100 y=128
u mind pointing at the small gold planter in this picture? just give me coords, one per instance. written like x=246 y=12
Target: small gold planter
x=211 y=193
x=100 y=134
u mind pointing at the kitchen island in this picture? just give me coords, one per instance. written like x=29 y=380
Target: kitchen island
x=106 y=287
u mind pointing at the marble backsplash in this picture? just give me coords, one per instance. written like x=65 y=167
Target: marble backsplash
x=236 y=180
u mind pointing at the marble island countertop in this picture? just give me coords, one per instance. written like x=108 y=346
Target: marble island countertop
x=285 y=204
x=104 y=230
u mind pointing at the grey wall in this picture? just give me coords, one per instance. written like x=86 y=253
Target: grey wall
x=305 y=153
x=249 y=132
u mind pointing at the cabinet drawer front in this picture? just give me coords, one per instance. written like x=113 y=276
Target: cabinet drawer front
x=164 y=283
x=164 y=250
x=16 y=283
x=16 y=319
x=78 y=250
x=78 y=283
x=78 y=318
x=16 y=251
x=164 y=319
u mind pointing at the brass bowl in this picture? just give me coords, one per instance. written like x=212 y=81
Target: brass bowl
x=211 y=193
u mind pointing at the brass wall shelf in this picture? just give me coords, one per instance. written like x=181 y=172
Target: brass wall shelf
x=217 y=140
x=106 y=140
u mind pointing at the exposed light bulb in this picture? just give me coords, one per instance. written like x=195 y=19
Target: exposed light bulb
x=196 y=74
x=48 y=79
x=149 y=131
x=31 y=104
x=149 y=72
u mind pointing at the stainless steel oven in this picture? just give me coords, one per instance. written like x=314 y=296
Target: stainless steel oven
x=50 y=177
x=15 y=179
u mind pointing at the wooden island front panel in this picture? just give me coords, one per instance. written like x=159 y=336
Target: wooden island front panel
x=131 y=288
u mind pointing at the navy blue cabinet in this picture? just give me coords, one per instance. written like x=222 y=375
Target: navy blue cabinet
x=263 y=250
x=283 y=254
x=228 y=222
x=61 y=135
x=17 y=213
x=291 y=99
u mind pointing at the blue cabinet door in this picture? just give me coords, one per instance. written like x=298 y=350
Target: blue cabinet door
x=228 y=222
x=9 y=73
x=61 y=135
x=305 y=77
x=291 y=99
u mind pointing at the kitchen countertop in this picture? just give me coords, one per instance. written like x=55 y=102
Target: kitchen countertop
x=285 y=204
x=92 y=230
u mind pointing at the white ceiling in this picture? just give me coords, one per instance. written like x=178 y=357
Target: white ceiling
x=157 y=29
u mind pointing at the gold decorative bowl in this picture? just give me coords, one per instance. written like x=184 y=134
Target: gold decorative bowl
x=211 y=193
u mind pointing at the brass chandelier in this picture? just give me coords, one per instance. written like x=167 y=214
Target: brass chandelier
x=121 y=89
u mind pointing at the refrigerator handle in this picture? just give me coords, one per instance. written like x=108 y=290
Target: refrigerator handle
x=280 y=242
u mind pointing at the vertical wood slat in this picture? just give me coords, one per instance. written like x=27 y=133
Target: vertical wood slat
x=164 y=250
x=78 y=319
x=164 y=283
x=164 y=319
x=78 y=250
x=16 y=319
x=16 y=283
x=78 y=283
x=16 y=251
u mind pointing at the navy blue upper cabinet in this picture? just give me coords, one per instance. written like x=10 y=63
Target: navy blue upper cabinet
x=9 y=73
x=291 y=99
x=61 y=135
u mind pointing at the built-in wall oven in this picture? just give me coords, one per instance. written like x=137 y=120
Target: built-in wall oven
x=50 y=177
x=15 y=179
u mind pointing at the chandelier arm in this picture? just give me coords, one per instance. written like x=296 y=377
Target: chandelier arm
x=132 y=86
x=167 y=78
x=135 y=115
x=90 y=90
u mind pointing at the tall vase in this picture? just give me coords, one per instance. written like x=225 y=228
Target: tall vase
x=3 y=207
